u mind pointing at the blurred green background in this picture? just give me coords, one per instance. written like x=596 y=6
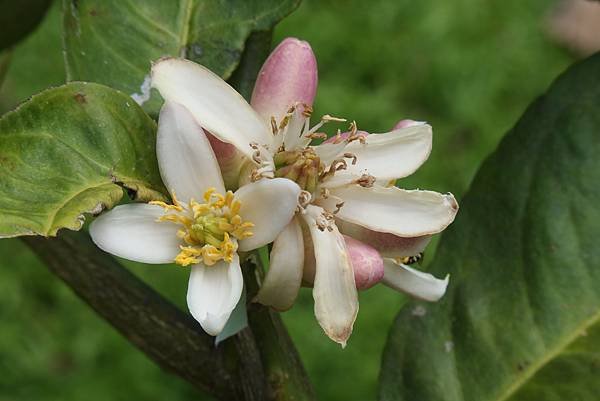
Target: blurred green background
x=468 y=67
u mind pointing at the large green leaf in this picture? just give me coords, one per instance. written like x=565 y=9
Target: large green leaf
x=72 y=150
x=114 y=41
x=18 y=18
x=4 y=61
x=521 y=320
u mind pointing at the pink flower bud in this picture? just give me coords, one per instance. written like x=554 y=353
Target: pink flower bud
x=407 y=123
x=366 y=262
x=229 y=159
x=288 y=76
x=388 y=245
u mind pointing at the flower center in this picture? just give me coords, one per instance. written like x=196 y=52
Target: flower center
x=210 y=229
x=302 y=166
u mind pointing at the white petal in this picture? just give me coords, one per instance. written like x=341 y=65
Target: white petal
x=394 y=210
x=282 y=283
x=213 y=293
x=335 y=294
x=188 y=165
x=215 y=105
x=389 y=156
x=132 y=232
x=270 y=204
x=413 y=282
x=294 y=138
x=389 y=245
x=237 y=322
x=328 y=152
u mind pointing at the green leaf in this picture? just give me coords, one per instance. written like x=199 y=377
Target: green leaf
x=72 y=150
x=4 y=61
x=521 y=320
x=18 y=18
x=114 y=41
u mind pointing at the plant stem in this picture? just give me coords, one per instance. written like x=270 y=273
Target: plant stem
x=171 y=338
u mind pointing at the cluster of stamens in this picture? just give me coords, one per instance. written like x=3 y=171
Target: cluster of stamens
x=301 y=166
x=209 y=229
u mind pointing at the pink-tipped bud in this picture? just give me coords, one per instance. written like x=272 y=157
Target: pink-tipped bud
x=288 y=76
x=388 y=245
x=366 y=262
x=229 y=158
x=407 y=123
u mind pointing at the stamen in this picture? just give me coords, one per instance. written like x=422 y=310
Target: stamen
x=328 y=118
x=351 y=156
x=304 y=199
x=308 y=110
x=316 y=135
x=175 y=206
x=325 y=221
x=365 y=181
x=211 y=229
x=338 y=137
x=325 y=119
x=256 y=153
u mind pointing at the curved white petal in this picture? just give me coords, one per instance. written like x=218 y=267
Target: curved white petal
x=328 y=152
x=389 y=245
x=187 y=163
x=238 y=320
x=132 y=232
x=394 y=210
x=388 y=156
x=213 y=292
x=282 y=283
x=413 y=282
x=335 y=294
x=215 y=105
x=270 y=204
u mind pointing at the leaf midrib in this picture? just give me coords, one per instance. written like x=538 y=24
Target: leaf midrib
x=550 y=356
x=185 y=22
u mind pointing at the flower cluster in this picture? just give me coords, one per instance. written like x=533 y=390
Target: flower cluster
x=336 y=220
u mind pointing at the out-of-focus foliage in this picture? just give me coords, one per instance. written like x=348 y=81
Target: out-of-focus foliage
x=36 y=63
x=18 y=18
x=468 y=67
x=521 y=320
x=114 y=41
x=4 y=61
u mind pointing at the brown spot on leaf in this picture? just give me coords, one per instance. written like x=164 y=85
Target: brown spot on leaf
x=80 y=98
x=521 y=366
x=6 y=163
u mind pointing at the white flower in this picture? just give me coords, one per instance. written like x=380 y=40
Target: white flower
x=205 y=226
x=345 y=182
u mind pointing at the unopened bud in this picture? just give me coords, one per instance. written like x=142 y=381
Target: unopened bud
x=287 y=77
x=229 y=158
x=366 y=262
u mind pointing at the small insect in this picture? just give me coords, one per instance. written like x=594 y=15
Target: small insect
x=411 y=260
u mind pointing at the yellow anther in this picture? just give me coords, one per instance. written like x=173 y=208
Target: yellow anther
x=176 y=218
x=176 y=206
x=208 y=194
